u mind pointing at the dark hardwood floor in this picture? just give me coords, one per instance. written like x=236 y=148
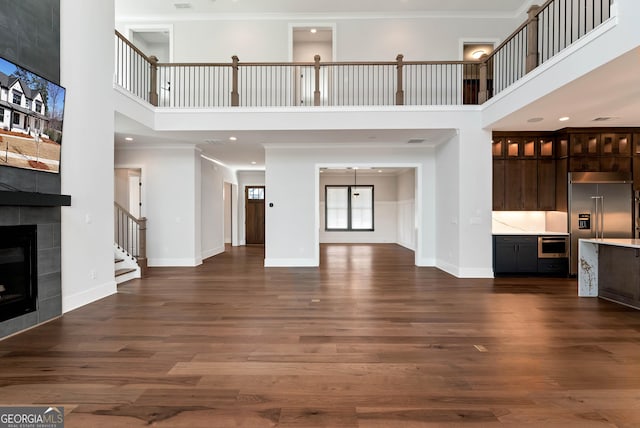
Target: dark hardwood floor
x=367 y=340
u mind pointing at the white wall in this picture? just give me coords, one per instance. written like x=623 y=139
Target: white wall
x=246 y=178
x=384 y=208
x=293 y=183
x=172 y=201
x=306 y=51
x=406 y=209
x=255 y=40
x=228 y=215
x=215 y=201
x=121 y=187
x=86 y=70
x=448 y=205
x=463 y=202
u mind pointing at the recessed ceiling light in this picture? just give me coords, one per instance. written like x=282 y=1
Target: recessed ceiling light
x=564 y=119
x=128 y=138
x=313 y=31
x=233 y=139
x=379 y=170
x=253 y=162
x=478 y=54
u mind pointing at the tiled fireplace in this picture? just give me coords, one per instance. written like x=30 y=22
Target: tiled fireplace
x=45 y=222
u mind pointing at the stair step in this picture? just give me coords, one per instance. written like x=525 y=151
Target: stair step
x=120 y=272
x=119 y=260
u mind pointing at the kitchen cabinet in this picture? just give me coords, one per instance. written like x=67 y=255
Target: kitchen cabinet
x=546 y=184
x=562 y=185
x=498 y=185
x=521 y=185
x=558 y=267
x=515 y=147
x=636 y=173
x=524 y=174
x=584 y=144
x=615 y=144
x=515 y=254
x=615 y=164
x=619 y=274
x=605 y=152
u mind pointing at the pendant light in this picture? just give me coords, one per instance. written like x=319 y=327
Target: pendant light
x=355 y=183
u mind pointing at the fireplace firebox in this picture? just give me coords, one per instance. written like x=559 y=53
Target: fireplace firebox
x=18 y=275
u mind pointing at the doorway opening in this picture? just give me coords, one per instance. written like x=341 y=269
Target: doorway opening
x=254 y=215
x=475 y=51
x=394 y=196
x=307 y=41
x=153 y=40
x=128 y=190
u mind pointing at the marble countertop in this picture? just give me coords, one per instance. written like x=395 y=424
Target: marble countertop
x=620 y=242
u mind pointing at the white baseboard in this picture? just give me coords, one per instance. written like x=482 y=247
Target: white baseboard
x=174 y=262
x=290 y=263
x=407 y=245
x=425 y=262
x=459 y=272
x=475 y=273
x=71 y=302
x=213 y=252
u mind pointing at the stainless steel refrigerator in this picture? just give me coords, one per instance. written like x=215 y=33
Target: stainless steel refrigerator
x=600 y=206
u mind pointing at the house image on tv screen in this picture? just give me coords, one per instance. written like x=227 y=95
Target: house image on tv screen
x=25 y=107
x=31 y=112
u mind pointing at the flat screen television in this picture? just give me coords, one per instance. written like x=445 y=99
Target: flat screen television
x=31 y=116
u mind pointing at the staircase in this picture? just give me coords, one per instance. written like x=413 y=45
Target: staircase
x=129 y=249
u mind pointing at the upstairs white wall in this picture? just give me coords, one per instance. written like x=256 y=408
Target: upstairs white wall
x=86 y=70
x=428 y=38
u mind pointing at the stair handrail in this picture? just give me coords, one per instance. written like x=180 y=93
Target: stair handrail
x=131 y=235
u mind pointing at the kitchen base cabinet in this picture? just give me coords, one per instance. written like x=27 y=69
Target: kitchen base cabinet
x=619 y=274
x=514 y=254
x=555 y=267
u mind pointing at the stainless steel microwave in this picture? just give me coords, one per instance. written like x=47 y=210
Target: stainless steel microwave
x=553 y=247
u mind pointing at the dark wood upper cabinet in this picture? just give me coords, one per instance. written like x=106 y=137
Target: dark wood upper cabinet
x=521 y=185
x=498 y=185
x=546 y=148
x=498 y=146
x=615 y=145
x=546 y=184
x=584 y=144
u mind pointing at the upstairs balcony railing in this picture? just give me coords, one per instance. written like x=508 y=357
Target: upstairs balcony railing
x=548 y=30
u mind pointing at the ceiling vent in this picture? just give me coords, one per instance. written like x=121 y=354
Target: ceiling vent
x=602 y=119
x=416 y=141
x=214 y=141
x=182 y=5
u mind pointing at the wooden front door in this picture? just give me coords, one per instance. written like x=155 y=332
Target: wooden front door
x=254 y=215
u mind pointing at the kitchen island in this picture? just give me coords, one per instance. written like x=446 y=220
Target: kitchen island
x=610 y=268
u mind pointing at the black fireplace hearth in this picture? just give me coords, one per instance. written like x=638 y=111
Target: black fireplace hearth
x=18 y=271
